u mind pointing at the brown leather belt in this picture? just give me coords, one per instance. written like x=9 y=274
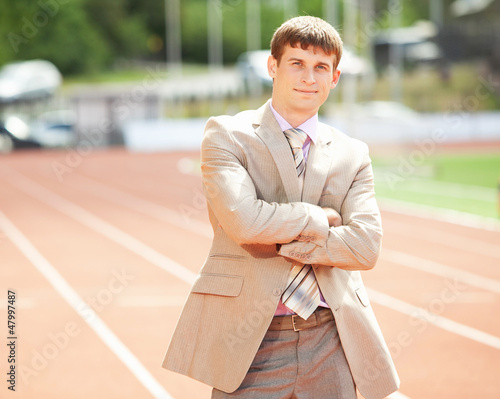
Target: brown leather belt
x=297 y=323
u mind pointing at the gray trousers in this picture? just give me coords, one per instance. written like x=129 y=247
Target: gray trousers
x=297 y=365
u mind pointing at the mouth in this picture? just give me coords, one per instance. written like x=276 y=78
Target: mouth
x=306 y=92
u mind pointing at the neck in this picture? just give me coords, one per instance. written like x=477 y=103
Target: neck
x=294 y=117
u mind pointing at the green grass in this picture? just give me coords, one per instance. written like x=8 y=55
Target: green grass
x=478 y=170
x=118 y=76
x=467 y=183
x=128 y=74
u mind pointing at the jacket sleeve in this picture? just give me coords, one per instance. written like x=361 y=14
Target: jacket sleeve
x=356 y=244
x=231 y=194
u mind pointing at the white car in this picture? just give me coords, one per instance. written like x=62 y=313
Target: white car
x=28 y=80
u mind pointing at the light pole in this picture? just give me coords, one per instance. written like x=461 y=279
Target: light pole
x=173 y=37
x=253 y=25
x=436 y=12
x=396 y=55
x=367 y=13
x=330 y=11
x=350 y=30
x=349 y=84
x=290 y=8
x=215 y=44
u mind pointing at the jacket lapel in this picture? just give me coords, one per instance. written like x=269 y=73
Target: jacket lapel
x=269 y=131
x=317 y=168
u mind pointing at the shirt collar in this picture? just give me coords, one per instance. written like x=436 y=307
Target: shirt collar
x=309 y=126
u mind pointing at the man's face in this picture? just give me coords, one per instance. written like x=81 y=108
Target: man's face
x=302 y=81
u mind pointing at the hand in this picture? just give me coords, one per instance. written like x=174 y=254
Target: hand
x=334 y=218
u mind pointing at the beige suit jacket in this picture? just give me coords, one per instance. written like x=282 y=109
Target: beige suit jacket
x=254 y=202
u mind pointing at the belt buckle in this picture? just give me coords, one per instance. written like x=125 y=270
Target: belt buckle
x=295 y=328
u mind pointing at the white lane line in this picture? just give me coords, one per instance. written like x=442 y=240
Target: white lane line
x=439 y=214
x=81 y=307
x=98 y=225
x=438 y=269
x=432 y=318
x=143 y=206
x=178 y=270
x=448 y=239
x=398 y=395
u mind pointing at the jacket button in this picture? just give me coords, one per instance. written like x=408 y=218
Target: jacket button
x=276 y=292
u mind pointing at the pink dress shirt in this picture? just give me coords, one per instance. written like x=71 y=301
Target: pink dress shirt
x=309 y=127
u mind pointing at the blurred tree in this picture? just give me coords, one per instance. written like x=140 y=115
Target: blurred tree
x=11 y=20
x=71 y=42
x=194 y=31
x=78 y=35
x=234 y=33
x=151 y=13
x=272 y=15
x=125 y=33
x=56 y=30
x=85 y=35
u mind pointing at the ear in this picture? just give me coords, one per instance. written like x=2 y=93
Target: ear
x=272 y=64
x=336 y=77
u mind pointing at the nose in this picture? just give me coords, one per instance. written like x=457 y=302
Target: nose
x=308 y=76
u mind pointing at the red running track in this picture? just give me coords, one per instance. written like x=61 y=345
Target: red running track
x=100 y=249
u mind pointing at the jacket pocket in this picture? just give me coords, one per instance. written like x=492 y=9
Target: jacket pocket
x=218 y=284
x=363 y=296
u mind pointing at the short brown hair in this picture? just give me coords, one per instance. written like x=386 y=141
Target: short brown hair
x=307 y=31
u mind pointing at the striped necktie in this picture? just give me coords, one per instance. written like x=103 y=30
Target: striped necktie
x=296 y=138
x=302 y=292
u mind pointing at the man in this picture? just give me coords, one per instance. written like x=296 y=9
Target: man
x=292 y=205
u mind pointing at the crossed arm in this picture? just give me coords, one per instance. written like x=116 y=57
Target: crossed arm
x=355 y=233
x=352 y=243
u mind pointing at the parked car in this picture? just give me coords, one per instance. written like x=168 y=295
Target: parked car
x=252 y=66
x=15 y=133
x=54 y=129
x=28 y=80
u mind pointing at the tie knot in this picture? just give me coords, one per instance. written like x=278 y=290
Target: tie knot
x=296 y=137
